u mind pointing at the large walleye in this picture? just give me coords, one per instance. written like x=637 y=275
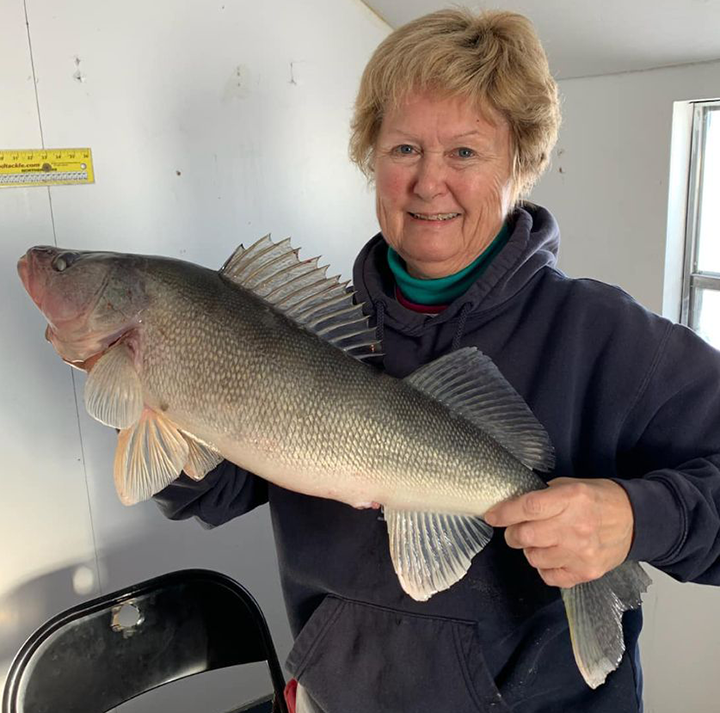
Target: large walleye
x=261 y=364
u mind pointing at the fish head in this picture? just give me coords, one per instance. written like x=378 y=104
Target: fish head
x=89 y=299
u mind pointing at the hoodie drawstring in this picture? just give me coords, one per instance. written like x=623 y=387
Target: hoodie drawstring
x=459 y=331
x=380 y=320
x=462 y=319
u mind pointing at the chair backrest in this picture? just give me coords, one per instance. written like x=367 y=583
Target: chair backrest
x=103 y=652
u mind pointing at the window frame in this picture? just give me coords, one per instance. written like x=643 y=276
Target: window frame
x=693 y=278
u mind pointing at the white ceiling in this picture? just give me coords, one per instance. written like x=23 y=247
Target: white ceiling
x=585 y=38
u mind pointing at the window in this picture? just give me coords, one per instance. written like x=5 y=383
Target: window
x=701 y=284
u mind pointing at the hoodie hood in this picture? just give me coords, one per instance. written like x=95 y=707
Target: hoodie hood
x=533 y=245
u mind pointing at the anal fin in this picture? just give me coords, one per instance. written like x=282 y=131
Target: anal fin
x=149 y=456
x=431 y=551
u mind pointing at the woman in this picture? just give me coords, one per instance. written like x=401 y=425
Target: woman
x=454 y=122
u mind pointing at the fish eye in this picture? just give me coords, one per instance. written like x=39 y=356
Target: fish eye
x=63 y=261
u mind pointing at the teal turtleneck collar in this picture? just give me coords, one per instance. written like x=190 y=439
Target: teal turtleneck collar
x=443 y=290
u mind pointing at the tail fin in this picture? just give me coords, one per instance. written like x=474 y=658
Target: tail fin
x=594 y=611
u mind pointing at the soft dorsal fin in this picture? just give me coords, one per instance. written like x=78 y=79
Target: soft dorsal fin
x=469 y=383
x=300 y=290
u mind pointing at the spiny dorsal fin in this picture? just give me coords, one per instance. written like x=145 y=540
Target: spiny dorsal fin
x=301 y=291
x=469 y=383
x=431 y=551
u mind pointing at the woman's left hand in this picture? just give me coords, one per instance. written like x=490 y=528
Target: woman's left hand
x=574 y=531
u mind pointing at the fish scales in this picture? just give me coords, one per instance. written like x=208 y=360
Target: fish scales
x=230 y=369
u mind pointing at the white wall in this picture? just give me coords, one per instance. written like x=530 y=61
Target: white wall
x=608 y=183
x=608 y=188
x=210 y=124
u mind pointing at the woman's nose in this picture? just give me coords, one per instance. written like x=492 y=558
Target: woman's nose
x=431 y=177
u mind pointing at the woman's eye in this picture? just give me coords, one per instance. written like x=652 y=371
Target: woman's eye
x=404 y=150
x=464 y=152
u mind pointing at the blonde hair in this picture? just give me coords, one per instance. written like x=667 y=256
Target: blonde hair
x=494 y=59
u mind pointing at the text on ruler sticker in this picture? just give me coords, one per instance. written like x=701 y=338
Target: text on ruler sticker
x=45 y=167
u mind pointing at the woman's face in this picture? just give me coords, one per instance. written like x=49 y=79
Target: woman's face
x=443 y=182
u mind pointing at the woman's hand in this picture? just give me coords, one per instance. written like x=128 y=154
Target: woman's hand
x=574 y=531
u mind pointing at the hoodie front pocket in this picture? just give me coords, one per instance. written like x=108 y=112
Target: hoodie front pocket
x=360 y=658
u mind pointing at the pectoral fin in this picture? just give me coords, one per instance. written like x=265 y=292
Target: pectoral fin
x=431 y=551
x=149 y=456
x=113 y=393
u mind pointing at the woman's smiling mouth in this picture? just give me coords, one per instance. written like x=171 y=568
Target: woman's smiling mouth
x=434 y=216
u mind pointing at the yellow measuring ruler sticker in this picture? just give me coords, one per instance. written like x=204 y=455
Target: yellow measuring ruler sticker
x=45 y=167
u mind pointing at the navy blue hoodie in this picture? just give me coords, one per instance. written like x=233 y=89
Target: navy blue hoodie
x=623 y=394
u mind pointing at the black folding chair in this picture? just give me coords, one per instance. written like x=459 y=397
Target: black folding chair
x=106 y=651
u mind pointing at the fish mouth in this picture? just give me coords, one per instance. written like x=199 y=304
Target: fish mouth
x=38 y=277
x=30 y=278
x=35 y=269
x=68 y=305
x=24 y=270
x=434 y=217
